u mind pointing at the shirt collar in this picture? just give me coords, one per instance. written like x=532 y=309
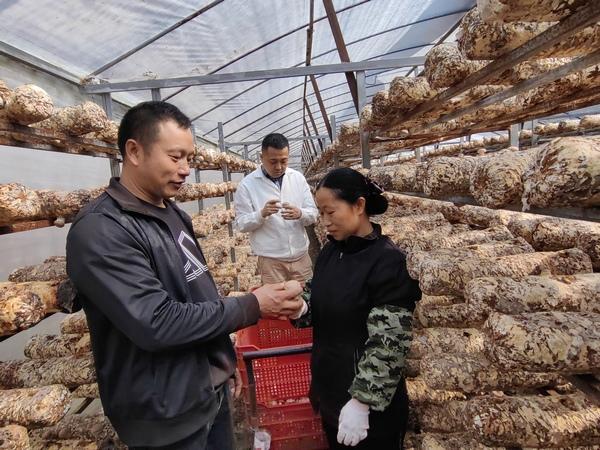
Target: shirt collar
x=274 y=180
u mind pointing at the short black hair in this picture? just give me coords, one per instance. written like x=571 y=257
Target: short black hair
x=141 y=122
x=349 y=185
x=275 y=140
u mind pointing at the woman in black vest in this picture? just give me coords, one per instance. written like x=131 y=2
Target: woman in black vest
x=361 y=303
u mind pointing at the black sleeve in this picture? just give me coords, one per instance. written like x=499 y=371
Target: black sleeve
x=390 y=283
x=111 y=269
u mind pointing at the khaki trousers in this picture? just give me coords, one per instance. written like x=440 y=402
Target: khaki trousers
x=276 y=271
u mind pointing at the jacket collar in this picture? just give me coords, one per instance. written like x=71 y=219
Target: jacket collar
x=357 y=243
x=129 y=202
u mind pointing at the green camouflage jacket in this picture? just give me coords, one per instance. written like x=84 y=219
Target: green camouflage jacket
x=381 y=367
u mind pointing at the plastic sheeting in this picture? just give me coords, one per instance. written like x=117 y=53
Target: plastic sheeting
x=231 y=36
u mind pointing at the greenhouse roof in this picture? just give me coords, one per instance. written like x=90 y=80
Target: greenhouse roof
x=115 y=41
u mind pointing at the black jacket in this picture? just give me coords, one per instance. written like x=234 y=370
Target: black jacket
x=150 y=339
x=350 y=278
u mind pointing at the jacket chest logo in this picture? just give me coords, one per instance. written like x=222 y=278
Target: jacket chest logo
x=193 y=266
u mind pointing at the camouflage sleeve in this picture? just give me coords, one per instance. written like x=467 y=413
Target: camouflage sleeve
x=382 y=365
x=306 y=320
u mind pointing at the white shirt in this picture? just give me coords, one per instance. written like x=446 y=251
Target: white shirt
x=273 y=236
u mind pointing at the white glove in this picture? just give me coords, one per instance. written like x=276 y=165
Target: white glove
x=301 y=312
x=354 y=423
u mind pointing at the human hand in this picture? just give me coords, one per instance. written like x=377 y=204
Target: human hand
x=353 y=423
x=279 y=300
x=290 y=212
x=303 y=309
x=235 y=384
x=270 y=208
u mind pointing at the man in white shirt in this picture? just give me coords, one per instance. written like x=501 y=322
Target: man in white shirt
x=274 y=204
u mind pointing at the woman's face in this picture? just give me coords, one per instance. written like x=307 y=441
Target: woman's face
x=341 y=219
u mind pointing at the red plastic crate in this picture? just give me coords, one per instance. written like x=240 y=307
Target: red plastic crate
x=273 y=333
x=282 y=384
x=280 y=379
x=292 y=427
x=314 y=442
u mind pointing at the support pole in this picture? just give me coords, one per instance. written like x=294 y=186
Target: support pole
x=115 y=168
x=303 y=156
x=224 y=168
x=364 y=135
x=198 y=180
x=336 y=158
x=336 y=30
x=246 y=154
x=155 y=94
x=196 y=170
x=513 y=133
x=227 y=177
x=312 y=144
x=321 y=103
x=333 y=128
x=314 y=125
x=534 y=135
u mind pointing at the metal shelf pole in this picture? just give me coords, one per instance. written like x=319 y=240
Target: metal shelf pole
x=226 y=178
x=197 y=171
x=115 y=168
x=514 y=135
x=364 y=135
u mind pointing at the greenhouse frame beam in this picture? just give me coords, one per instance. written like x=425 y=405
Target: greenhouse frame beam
x=322 y=108
x=340 y=44
x=239 y=94
x=265 y=44
x=293 y=129
x=248 y=124
x=309 y=38
x=293 y=112
x=292 y=139
x=154 y=38
x=271 y=124
x=37 y=63
x=304 y=155
x=310 y=142
x=237 y=77
x=328 y=51
x=283 y=106
x=312 y=121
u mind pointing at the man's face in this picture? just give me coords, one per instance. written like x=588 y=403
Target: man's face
x=275 y=161
x=163 y=167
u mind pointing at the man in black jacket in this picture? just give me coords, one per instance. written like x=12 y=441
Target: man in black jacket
x=159 y=329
